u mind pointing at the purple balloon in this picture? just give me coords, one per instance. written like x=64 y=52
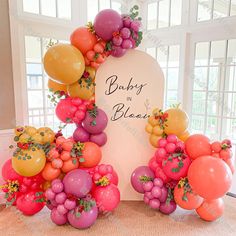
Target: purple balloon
x=127 y=44
x=99 y=139
x=125 y=33
x=148 y=195
x=167 y=207
x=147 y=186
x=106 y=23
x=156 y=192
x=164 y=194
x=70 y=204
x=95 y=125
x=137 y=174
x=118 y=51
x=77 y=182
x=81 y=135
x=154 y=203
x=58 y=218
x=61 y=209
x=85 y=220
x=60 y=198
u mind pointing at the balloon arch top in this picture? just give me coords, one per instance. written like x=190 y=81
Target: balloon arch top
x=66 y=175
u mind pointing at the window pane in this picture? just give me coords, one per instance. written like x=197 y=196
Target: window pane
x=214 y=79
x=202 y=54
x=214 y=102
x=152 y=16
x=172 y=98
x=197 y=124
x=35 y=99
x=221 y=8
x=163 y=19
x=231 y=55
x=199 y=99
x=218 y=50
x=48 y=7
x=176 y=12
x=33 y=49
x=204 y=10
x=230 y=105
x=200 y=78
x=229 y=128
x=34 y=82
x=151 y=52
x=64 y=9
x=104 y=4
x=33 y=69
x=173 y=56
x=31 y=6
x=162 y=53
x=212 y=128
x=116 y=6
x=173 y=78
x=230 y=79
x=233 y=8
x=92 y=9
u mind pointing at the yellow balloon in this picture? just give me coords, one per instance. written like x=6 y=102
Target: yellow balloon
x=184 y=136
x=153 y=139
x=152 y=121
x=81 y=90
x=157 y=130
x=177 y=121
x=47 y=135
x=148 y=128
x=29 y=162
x=55 y=86
x=30 y=130
x=64 y=63
x=24 y=138
x=91 y=71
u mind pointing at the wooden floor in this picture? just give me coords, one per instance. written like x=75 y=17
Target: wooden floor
x=130 y=219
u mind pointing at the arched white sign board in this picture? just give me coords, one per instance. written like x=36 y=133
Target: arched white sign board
x=127 y=89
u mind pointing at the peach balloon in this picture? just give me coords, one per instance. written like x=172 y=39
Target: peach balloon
x=184 y=136
x=55 y=86
x=211 y=210
x=92 y=155
x=210 y=177
x=197 y=145
x=49 y=173
x=64 y=63
x=83 y=39
x=69 y=165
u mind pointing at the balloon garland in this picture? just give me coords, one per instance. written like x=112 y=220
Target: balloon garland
x=186 y=170
x=62 y=173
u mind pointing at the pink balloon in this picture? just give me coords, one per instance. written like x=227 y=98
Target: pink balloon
x=57 y=218
x=99 y=139
x=81 y=135
x=106 y=23
x=118 y=51
x=8 y=173
x=107 y=197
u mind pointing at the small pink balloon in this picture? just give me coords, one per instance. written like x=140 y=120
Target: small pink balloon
x=61 y=209
x=127 y=44
x=118 y=51
x=80 y=135
x=60 y=198
x=57 y=218
x=99 y=139
x=70 y=204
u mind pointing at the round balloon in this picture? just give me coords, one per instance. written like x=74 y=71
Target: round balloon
x=8 y=173
x=29 y=162
x=106 y=23
x=77 y=182
x=197 y=145
x=211 y=210
x=55 y=86
x=64 y=63
x=49 y=173
x=83 y=39
x=209 y=177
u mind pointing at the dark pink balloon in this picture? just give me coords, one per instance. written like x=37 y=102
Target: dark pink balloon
x=80 y=135
x=57 y=218
x=99 y=139
x=8 y=173
x=95 y=125
x=106 y=23
x=167 y=207
x=85 y=220
x=137 y=174
x=118 y=51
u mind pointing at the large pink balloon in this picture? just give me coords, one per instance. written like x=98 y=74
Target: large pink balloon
x=210 y=177
x=106 y=23
x=107 y=198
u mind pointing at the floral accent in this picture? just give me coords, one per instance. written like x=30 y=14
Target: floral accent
x=56 y=96
x=93 y=112
x=183 y=183
x=84 y=205
x=90 y=27
x=104 y=181
x=145 y=178
x=76 y=152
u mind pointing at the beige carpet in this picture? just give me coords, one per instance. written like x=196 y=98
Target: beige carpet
x=130 y=219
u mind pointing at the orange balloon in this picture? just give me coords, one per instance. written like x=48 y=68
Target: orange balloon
x=64 y=63
x=192 y=200
x=197 y=145
x=211 y=210
x=46 y=185
x=82 y=90
x=209 y=177
x=69 y=165
x=54 y=86
x=83 y=39
x=92 y=155
x=153 y=139
x=184 y=136
x=49 y=173
x=177 y=121
x=230 y=163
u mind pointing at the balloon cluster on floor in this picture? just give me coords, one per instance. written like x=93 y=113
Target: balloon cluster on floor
x=185 y=170
x=65 y=173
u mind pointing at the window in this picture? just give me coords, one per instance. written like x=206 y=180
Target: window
x=168 y=58
x=214 y=9
x=52 y=8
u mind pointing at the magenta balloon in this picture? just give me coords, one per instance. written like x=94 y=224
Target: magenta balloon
x=106 y=23
x=57 y=218
x=118 y=51
x=85 y=220
x=164 y=194
x=95 y=125
x=99 y=139
x=107 y=198
x=137 y=174
x=80 y=135
x=77 y=182
x=167 y=207
x=8 y=173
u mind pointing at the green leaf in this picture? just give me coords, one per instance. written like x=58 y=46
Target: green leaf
x=81 y=159
x=74 y=161
x=175 y=170
x=77 y=214
x=93 y=123
x=16 y=138
x=136 y=7
x=37 y=194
